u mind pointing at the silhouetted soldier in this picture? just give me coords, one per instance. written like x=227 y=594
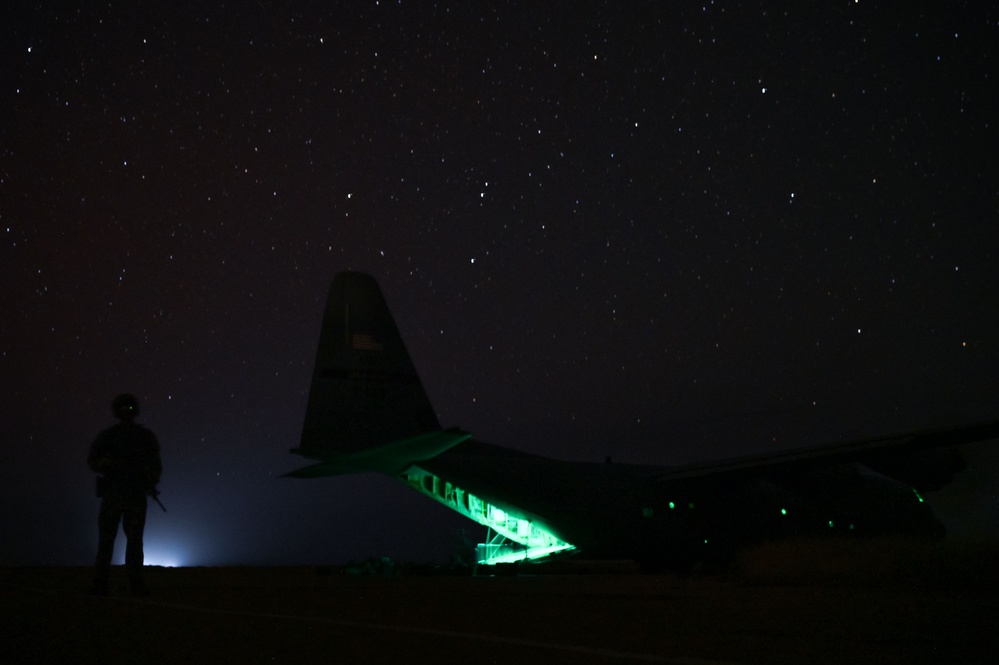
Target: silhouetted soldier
x=127 y=458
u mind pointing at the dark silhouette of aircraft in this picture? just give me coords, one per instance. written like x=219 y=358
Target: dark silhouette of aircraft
x=368 y=411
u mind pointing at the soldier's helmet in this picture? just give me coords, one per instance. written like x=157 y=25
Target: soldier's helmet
x=125 y=407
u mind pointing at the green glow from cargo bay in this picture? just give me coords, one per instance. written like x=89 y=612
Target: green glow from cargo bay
x=516 y=538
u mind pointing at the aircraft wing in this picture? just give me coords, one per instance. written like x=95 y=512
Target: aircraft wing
x=925 y=460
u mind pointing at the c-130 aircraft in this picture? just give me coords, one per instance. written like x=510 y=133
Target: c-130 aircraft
x=367 y=411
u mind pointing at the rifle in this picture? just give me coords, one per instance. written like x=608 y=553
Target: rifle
x=155 y=493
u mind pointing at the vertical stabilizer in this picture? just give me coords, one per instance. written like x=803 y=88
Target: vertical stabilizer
x=365 y=391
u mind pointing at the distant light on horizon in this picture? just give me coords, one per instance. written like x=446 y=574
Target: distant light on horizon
x=166 y=556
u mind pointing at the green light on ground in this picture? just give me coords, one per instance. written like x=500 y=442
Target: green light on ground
x=783 y=511
x=918 y=495
x=831 y=524
x=672 y=505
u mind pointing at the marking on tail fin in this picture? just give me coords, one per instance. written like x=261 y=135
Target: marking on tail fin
x=370 y=376
x=365 y=342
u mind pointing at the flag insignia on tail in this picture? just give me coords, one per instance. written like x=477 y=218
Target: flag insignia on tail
x=364 y=342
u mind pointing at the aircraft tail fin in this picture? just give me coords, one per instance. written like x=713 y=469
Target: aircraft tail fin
x=365 y=391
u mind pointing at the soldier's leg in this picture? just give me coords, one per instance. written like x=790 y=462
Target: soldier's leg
x=107 y=528
x=134 y=523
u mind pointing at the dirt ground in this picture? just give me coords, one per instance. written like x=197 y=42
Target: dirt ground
x=310 y=615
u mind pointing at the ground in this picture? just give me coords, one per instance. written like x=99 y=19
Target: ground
x=900 y=607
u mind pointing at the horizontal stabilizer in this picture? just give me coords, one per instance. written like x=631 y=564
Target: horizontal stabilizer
x=392 y=458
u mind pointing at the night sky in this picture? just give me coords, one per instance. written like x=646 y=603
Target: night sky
x=660 y=231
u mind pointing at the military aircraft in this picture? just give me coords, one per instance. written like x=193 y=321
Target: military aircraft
x=368 y=412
